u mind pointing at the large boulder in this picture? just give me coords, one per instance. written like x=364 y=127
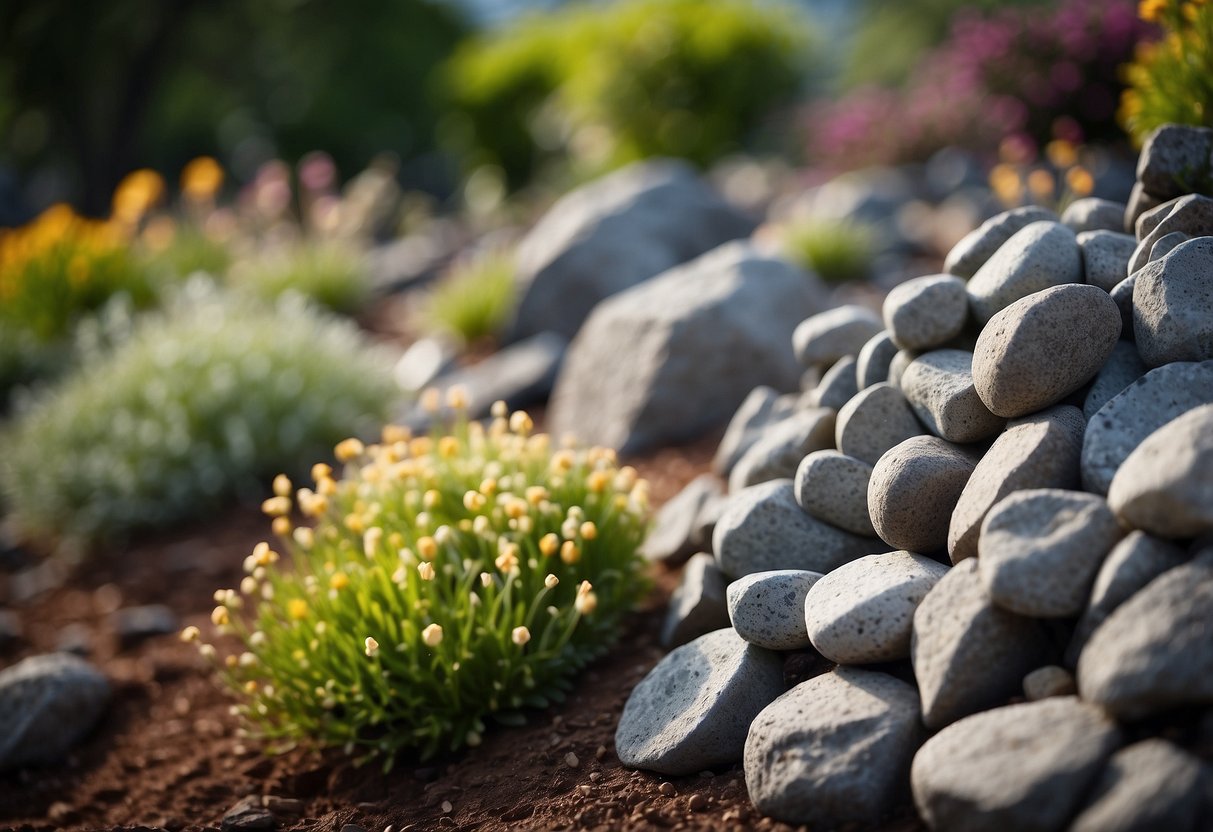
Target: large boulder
x=612 y=234
x=675 y=356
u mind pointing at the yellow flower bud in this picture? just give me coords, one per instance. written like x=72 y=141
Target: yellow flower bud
x=370 y=541
x=431 y=498
x=432 y=635
x=282 y=486
x=304 y=537
x=392 y=434
x=431 y=400
x=276 y=506
x=520 y=635
x=570 y=553
x=486 y=580
x=488 y=487
x=597 y=481
x=521 y=423
x=473 y=501
x=296 y=609
x=457 y=397
x=339 y=580
x=348 y=449
x=191 y=633
x=426 y=570
x=548 y=544
x=281 y=526
x=586 y=604
x=220 y=616
x=248 y=585
x=427 y=548
x=589 y=531
x=551 y=581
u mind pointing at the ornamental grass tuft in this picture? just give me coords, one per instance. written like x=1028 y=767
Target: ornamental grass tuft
x=445 y=582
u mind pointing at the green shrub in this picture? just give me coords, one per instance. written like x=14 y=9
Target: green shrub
x=199 y=403
x=836 y=250
x=325 y=271
x=475 y=299
x=1171 y=81
x=448 y=580
x=606 y=84
x=188 y=250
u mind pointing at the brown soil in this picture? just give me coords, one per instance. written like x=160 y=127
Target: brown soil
x=168 y=755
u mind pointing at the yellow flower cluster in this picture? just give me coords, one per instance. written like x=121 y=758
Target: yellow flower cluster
x=58 y=238
x=1015 y=182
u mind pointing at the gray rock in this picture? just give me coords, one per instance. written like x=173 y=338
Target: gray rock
x=1038 y=451
x=693 y=710
x=834 y=749
x=1122 y=296
x=1165 y=487
x=521 y=374
x=1041 y=549
x=249 y=814
x=698 y=605
x=1173 y=305
x=1132 y=563
x=1140 y=203
x=833 y=487
x=1154 y=652
x=47 y=704
x=897 y=367
x=828 y=336
x=676 y=355
x=979 y=245
x=913 y=491
x=939 y=386
x=1147 y=786
x=968 y=654
x=755 y=412
x=873 y=421
x=1023 y=767
x=767 y=608
x=1175 y=160
x=1094 y=214
x=782 y=445
x=863 y=611
x=612 y=234
x=1105 y=257
x=838 y=386
x=134 y=624
x=925 y=312
x=872 y=365
x=673 y=537
x=1191 y=214
x=423 y=362
x=1043 y=347
x=1048 y=681
x=1166 y=244
x=1123 y=367
x=1039 y=256
x=763 y=528
x=1147 y=404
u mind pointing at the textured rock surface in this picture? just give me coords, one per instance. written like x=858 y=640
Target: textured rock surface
x=1173 y=305
x=838 y=385
x=1094 y=214
x=828 y=336
x=872 y=365
x=613 y=233
x=913 y=491
x=863 y=611
x=1123 y=367
x=835 y=749
x=1039 y=256
x=925 y=312
x=763 y=528
x=777 y=452
x=1023 y=767
x=968 y=654
x=1122 y=296
x=759 y=409
x=1050 y=680
x=1191 y=214
x=1147 y=404
x=767 y=608
x=833 y=487
x=980 y=244
x=693 y=710
x=1150 y=785
x=698 y=606
x=676 y=355
x=873 y=421
x=1175 y=160
x=1154 y=652
x=674 y=537
x=47 y=704
x=1105 y=257
x=939 y=386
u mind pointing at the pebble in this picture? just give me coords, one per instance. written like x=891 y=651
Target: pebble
x=1105 y=257
x=673 y=538
x=1140 y=203
x=968 y=654
x=1122 y=296
x=763 y=528
x=1041 y=549
x=48 y=703
x=1135 y=561
x=698 y=605
x=1023 y=766
x=1147 y=404
x=1191 y=214
x=833 y=487
x=777 y=452
x=1166 y=244
x=693 y=710
x=667 y=789
x=913 y=491
x=1154 y=652
x=939 y=387
x=926 y=312
x=247 y=815
x=767 y=608
x=980 y=244
x=863 y=612
x=1173 y=305
x=1037 y=257
x=834 y=750
x=872 y=365
x=697 y=803
x=838 y=386
x=828 y=336
x=1043 y=347
x=1152 y=784
x=757 y=410
x=1123 y=367
x=897 y=367
x=134 y=624
x=1094 y=214
x=571 y=760
x=873 y=421
x=1171 y=156
x=1050 y=680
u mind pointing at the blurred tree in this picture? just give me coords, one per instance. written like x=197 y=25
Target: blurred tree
x=94 y=88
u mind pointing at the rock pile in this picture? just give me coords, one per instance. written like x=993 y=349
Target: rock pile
x=1005 y=542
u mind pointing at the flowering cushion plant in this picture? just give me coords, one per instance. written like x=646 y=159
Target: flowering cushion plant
x=446 y=580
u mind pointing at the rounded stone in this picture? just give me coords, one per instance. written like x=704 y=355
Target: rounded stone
x=863 y=612
x=1173 y=305
x=897 y=366
x=939 y=387
x=1043 y=347
x=1122 y=296
x=1123 y=367
x=1105 y=257
x=828 y=336
x=47 y=704
x=838 y=386
x=1048 y=681
x=873 y=421
x=1094 y=214
x=767 y=608
x=872 y=365
x=833 y=487
x=913 y=491
x=1039 y=256
x=925 y=312
x=980 y=244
